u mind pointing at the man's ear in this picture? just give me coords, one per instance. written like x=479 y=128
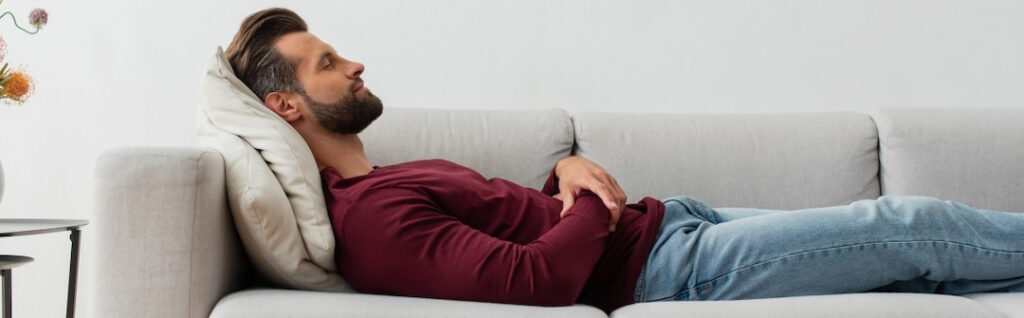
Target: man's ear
x=279 y=104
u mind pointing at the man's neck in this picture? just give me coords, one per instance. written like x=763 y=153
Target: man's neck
x=344 y=153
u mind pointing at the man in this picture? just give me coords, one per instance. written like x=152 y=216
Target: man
x=436 y=229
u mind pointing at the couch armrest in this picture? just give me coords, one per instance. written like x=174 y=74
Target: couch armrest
x=166 y=245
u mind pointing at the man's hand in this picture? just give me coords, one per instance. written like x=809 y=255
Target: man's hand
x=576 y=174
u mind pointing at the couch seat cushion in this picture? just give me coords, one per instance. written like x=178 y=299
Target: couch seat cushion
x=846 y=305
x=254 y=303
x=1009 y=304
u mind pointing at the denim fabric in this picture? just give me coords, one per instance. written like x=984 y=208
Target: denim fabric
x=894 y=243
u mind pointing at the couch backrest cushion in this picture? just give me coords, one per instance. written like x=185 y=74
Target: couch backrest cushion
x=975 y=156
x=519 y=145
x=273 y=183
x=763 y=160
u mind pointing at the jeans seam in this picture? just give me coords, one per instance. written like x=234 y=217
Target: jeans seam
x=640 y=285
x=710 y=283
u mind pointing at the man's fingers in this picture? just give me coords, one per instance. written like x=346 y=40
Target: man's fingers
x=567 y=201
x=613 y=200
x=615 y=191
x=605 y=193
x=618 y=193
x=622 y=193
x=616 y=214
x=610 y=201
x=614 y=220
x=568 y=198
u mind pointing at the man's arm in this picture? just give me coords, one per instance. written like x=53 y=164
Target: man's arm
x=400 y=242
x=574 y=174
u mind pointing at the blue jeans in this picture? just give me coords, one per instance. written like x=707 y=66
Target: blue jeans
x=900 y=244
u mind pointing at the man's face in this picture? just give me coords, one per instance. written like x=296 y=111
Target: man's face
x=334 y=91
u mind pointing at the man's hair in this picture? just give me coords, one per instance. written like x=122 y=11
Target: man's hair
x=255 y=59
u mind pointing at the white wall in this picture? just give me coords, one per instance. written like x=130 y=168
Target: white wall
x=116 y=73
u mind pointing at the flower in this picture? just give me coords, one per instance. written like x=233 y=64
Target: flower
x=38 y=18
x=15 y=86
x=18 y=87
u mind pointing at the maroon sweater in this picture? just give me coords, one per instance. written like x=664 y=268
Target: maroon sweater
x=433 y=228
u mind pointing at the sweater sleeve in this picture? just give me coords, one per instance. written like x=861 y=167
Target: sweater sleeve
x=406 y=245
x=551 y=185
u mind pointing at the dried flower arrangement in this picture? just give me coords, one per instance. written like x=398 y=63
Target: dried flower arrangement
x=16 y=85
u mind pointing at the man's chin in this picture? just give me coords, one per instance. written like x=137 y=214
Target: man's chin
x=377 y=109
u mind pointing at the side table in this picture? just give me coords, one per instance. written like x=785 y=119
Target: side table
x=20 y=227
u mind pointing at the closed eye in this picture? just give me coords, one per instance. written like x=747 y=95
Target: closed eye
x=326 y=60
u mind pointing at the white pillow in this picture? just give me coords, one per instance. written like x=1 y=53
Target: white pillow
x=273 y=184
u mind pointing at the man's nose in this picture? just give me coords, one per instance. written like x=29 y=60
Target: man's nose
x=356 y=69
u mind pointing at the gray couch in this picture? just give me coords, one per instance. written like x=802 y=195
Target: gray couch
x=167 y=246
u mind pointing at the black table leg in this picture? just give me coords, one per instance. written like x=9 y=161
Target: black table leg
x=7 y=292
x=73 y=273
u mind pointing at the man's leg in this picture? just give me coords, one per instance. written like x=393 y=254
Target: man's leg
x=895 y=243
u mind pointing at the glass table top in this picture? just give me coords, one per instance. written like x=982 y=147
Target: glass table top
x=16 y=227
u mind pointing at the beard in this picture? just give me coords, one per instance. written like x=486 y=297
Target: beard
x=349 y=115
